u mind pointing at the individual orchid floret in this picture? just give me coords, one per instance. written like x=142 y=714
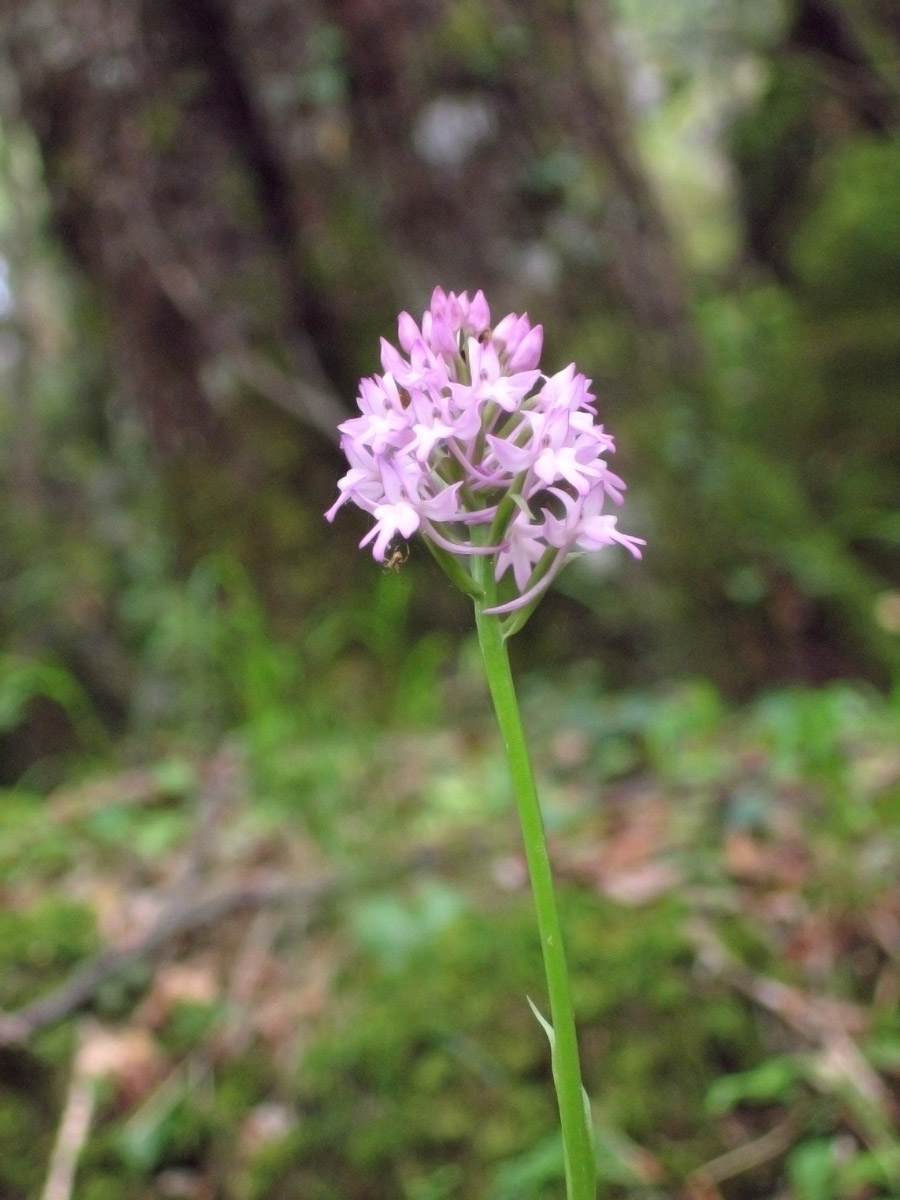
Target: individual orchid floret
x=403 y=512
x=464 y=439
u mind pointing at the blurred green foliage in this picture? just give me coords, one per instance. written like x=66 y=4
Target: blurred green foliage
x=776 y=493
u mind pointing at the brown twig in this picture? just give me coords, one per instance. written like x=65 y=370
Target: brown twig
x=829 y=1026
x=74 y=1128
x=815 y=1018
x=186 y=915
x=748 y=1156
x=177 y=920
x=244 y=978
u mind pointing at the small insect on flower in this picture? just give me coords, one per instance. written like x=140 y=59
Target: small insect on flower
x=396 y=558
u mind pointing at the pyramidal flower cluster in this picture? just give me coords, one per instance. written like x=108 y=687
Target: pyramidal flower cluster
x=465 y=440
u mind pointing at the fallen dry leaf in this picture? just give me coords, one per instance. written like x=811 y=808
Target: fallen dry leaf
x=195 y=981
x=128 y=1056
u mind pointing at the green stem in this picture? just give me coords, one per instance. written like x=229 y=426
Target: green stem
x=576 y=1133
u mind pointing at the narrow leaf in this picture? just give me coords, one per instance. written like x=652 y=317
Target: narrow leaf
x=544 y=1023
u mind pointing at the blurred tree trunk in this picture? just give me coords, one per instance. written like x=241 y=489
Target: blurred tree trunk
x=211 y=163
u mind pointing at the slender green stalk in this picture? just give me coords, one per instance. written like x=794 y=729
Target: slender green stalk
x=576 y=1132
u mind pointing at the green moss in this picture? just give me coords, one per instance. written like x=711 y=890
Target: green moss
x=26 y=1135
x=29 y=843
x=40 y=945
x=442 y=1058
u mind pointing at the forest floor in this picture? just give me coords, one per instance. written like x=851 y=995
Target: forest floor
x=302 y=973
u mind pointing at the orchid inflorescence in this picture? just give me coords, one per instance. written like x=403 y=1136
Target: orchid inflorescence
x=466 y=440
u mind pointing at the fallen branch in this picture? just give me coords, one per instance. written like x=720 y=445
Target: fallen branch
x=748 y=1156
x=185 y=917
x=837 y=1065
x=815 y=1018
x=74 y=1128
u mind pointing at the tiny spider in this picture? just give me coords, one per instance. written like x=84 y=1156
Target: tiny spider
x=396 y=558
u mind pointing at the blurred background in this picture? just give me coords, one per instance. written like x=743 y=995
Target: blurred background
x=210 y=211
